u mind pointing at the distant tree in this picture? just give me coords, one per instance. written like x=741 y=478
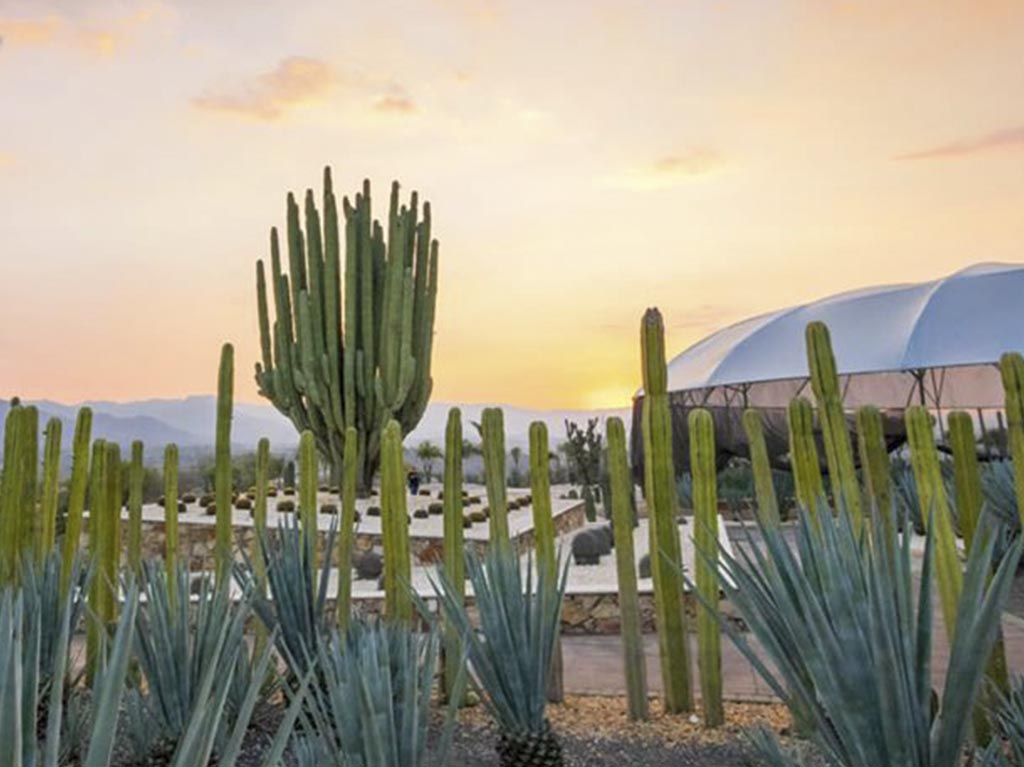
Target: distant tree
x=288 y=474
x=428 y=452
x=584 y=449
x=516 y=479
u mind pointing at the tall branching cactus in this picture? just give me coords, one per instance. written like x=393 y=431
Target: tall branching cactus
x=874 y=461
x=931 y=491
x=395 y=526
x=705 y=535
x=838 y=449
x=764 y=488
x=326 y=372
x=347 y=538
x=544 y=536
x=454 y=545
x=222 y=458
x=51 y=490
x=136 y=476
x=76 y=496
x=634 y=663
x=492 y=428
x=171 y=517
x=662 y=505
x=307 y=493
x=803 y=455
x=1011 y=365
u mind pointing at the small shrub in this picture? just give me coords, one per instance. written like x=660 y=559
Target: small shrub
x=373 y=511
x=328 y=508
x=188 y=498
x=243 y=503
x=285 y=506
x=368 y=565
x=421 y=513
x=289 y=491
x=436 y=508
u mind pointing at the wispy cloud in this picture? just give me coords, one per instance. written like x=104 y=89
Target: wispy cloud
x=395 y=103
x=670 y=170
x=103 y=37
x=295 y=80
x=1009 y=138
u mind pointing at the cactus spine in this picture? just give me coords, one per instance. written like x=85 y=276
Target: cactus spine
x=705 y=534
x=76 y=496
x=931 y=491
x=454 y=561
x=327 y=374
x=347 y=539
x=492 y=429
x=307 y=494
x=874 y=461
x=171 y=519
x=51 y=490
x=1011 y=365
x=136 y=474
x=629 y=600
x=803 y=455
x=838 y=450
x=395 y=526
x=666 y=554
x=767 y=502
x=222 y=470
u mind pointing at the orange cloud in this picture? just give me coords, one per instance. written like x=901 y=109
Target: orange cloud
x=99 y=38
x=395 y=104
x=1010 y=138
x=295 y=80
x=670 y=170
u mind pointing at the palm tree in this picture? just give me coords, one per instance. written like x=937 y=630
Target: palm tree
x=428 y=452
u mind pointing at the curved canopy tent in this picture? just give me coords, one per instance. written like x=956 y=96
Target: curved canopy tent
x=933 y=343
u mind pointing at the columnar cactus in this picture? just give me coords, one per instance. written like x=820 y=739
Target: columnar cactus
x=395 y=526
x=259 y=512
x=110 y=565
x=222 y=458
x=874 y=462
x=705 y=536
x=51 y=490
x=931 y=491
x=544 y=535
x=1011 y=365
x=634 y=663
x=347 y=538
x=308 y=464
x=662 y=505
x=136 y=474
x=327 y=373
x=454 y=549
x=966 y=474
x=767 y=502
x=101 y=550
x=838 y=451
x=76 y=496
x=11 y=495
x=171 y=519
x=492 y=429
x=803 y=455
x=28 y=474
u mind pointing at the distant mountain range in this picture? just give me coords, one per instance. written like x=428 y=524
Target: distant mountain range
x=190 y=422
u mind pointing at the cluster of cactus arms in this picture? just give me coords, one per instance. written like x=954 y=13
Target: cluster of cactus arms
x=874 y=461
x=136 y=474
x=353 y=351
x=395 y=526
x=492 y=432
x=803 y=455
x=222 y=459
x=454 y=545
x=1011 y=365
x=705 y=535
x=662 y=504
x=347 y=538
x=629 y=600
x=764 y=488
x=842 y=471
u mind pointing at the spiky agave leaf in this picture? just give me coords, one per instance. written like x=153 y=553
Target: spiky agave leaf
x=851 y=646
x=511 y=654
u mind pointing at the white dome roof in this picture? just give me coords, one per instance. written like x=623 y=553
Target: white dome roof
x=968 y=318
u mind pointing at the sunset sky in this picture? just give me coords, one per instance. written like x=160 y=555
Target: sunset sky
x=584 y=160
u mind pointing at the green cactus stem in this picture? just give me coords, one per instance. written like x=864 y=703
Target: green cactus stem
x=705 y=535
x=136 y=475
x=838 y=448
x=764 y=488
x=1011 y=365
x=171 y=518
x=28 y=473
x=395 y=527
x=931 y=491
x=222 y=459
x=454 y=545
x=10 y=496
x=874 y=461
x=966 y=474
x=662 y=505
x=492 y=429
x=347 y=538
x=99 y=542
x=259 y=512
x=633 y=659
x=803 y=455
x=308 y=464
x=326 y=372
x=51 y=490
x=76 y=496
